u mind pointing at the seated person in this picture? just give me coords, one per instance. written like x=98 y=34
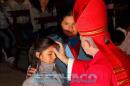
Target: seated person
x=43 y=59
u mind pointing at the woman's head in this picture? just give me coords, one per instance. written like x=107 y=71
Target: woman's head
x=42 y=49
x=68 y=25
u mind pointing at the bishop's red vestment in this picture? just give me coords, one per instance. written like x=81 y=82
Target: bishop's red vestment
x=110 y=66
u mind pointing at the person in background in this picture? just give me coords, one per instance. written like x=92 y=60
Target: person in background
x=7 y=38
x=42 y=8
x=17 y=5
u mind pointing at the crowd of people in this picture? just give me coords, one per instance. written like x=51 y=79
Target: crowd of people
x=81 y=52
x=20 y=22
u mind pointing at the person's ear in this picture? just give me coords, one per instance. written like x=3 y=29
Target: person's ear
x=37 y=54
x=85 y=44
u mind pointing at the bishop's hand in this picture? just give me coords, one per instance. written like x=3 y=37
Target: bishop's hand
x=60 y=53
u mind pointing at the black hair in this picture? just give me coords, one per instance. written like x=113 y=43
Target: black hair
x=67 y=12
x=40 y=44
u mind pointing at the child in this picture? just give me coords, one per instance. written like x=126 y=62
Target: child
x=43 y=58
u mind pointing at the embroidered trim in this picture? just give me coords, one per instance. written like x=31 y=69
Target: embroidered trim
x=123 y=82
x=117 y=70
x=93 y=32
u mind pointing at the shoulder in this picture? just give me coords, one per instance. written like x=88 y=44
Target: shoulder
x=28 y=82
x=56 y=37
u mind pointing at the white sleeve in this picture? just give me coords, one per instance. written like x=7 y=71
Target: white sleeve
x=69 y=68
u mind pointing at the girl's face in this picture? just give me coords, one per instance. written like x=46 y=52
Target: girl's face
x=47 y=56
x=68 y=26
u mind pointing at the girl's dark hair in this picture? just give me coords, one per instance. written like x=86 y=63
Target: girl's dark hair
x=40 y=44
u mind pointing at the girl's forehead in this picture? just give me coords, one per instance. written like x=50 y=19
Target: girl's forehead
x=50 y=48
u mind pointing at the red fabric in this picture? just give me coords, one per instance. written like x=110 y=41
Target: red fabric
x=115 y=56
x=91 y=16
x=75 y=50
x=99 y=67
x=79 y=7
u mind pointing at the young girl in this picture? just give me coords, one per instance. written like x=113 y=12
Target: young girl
x=43 y=58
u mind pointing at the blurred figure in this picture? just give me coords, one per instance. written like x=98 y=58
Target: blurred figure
x=7 y=40
x=42 y=8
